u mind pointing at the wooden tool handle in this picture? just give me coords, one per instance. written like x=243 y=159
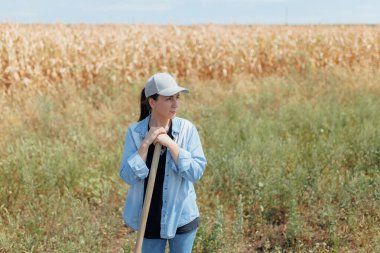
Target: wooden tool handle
x=148 y=197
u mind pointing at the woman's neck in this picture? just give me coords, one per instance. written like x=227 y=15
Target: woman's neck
x=156 y=121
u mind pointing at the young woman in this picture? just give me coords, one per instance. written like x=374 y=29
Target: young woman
x=173 y=214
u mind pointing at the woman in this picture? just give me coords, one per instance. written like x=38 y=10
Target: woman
x=173 y=214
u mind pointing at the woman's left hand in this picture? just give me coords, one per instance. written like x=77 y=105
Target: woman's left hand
x=164 y=140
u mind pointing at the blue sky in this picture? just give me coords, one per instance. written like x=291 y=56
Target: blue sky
x=185 y=12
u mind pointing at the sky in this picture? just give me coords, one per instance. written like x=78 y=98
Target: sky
x=184 y=12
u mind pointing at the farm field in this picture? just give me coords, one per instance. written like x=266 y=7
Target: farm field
x=288 y=116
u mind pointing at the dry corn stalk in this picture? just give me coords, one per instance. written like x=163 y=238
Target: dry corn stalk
x=42 y=55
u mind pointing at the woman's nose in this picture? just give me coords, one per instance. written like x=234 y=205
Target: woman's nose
x=175 y=103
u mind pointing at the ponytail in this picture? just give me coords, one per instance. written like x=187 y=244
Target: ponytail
x=144 y=105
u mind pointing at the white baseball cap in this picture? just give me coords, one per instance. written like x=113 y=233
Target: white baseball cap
x=162 y=84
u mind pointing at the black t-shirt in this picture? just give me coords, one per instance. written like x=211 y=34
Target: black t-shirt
x=153 y=224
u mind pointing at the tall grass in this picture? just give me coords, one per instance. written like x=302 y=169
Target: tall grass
x=304 y=154
x=293 y=165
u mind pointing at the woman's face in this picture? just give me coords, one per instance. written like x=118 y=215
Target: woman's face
x=165 y=107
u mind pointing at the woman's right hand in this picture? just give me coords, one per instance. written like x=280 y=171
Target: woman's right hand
x=152 y=135
x=149 y=139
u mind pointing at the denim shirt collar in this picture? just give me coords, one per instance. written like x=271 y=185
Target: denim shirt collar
x=142 y=127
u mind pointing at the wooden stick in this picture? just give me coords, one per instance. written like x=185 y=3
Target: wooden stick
x=148 y=197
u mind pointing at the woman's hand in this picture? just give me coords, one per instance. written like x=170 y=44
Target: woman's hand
x=152 y=135
x=149 y=139
x=166 y=141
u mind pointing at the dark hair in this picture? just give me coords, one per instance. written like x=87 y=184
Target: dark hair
x=144 y=105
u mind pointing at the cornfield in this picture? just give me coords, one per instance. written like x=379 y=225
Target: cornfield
x=48 y=54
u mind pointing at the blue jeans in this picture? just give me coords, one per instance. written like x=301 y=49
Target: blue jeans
x=181 y=243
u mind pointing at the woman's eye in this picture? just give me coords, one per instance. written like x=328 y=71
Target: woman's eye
x=171 y=98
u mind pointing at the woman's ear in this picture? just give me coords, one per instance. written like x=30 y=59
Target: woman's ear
x=152 y=103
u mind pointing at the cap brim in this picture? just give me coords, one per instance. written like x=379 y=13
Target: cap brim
x=172 y=91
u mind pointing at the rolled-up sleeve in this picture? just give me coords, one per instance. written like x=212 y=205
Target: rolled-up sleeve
x=191 y=159
x=132 y=167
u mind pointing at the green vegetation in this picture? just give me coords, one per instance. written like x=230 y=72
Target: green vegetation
x=293 y=164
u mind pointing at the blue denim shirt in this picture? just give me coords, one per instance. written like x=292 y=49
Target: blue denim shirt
x=179 y=200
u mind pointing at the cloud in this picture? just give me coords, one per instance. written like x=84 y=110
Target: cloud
x=244 y=1
x=17 y=15
x=137 y=7
x=365 y=7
